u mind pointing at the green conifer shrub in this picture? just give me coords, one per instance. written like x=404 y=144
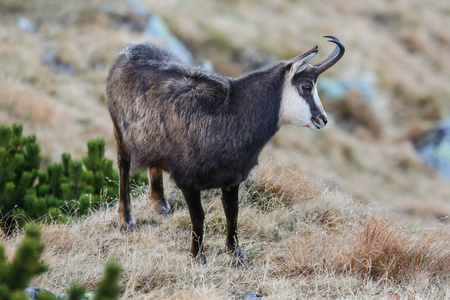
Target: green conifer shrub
x=66 y=189
x=19 y=164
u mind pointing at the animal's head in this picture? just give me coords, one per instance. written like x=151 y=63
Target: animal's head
x=300 y=103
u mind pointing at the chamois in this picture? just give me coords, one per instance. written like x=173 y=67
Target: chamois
x=205 y=129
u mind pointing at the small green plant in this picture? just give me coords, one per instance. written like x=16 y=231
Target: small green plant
x=15 y=276
x=109 y=287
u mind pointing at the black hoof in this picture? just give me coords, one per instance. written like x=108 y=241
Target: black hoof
x=162 y=207
x=201 y=259
x=128 y=226
x=238 y=256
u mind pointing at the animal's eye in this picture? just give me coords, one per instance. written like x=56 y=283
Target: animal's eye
x=306 y=88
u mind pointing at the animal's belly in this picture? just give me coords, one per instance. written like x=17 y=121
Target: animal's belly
x=222 y=180
x=217 y=178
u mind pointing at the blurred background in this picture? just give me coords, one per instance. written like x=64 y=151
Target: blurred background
x=388 y=98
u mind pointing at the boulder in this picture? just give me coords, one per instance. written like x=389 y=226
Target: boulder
x=434 y=148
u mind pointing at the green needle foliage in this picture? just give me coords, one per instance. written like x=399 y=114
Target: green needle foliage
x=19 y=164
x=64 y=190
x=16 y=275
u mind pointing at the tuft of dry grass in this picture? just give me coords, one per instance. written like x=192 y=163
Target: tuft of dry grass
x=373 y=249
x=384 y=252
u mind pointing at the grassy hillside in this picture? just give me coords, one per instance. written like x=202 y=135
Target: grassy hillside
x=52 y=79
x=302 y=240
x=338 y=224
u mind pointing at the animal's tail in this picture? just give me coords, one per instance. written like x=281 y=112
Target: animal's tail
x=148 y=52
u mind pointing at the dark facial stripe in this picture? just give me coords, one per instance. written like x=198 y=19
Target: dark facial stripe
x=309 y=98
x=315 y=111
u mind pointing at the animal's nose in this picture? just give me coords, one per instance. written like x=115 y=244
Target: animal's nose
x=319 y=121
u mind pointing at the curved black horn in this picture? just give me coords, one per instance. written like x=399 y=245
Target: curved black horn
x=331 y=59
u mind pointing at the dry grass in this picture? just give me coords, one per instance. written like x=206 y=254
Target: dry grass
x=325 y=245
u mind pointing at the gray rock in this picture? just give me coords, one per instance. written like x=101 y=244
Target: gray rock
x=33 y=290
x=434 y=148
x=338 y=88
x=52 y=59
x=157 y=29
x=133 y=15
x=26 y=25
x=252 y=296
x=125 y=17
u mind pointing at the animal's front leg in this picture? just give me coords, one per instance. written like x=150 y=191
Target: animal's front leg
x=230 y=202
x=197 y=217
x=126 y=221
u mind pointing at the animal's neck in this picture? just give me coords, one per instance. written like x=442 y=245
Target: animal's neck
x=256 y=98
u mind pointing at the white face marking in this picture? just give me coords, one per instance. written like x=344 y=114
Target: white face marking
x=294 y=109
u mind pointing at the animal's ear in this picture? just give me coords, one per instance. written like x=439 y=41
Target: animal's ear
x=300 y=63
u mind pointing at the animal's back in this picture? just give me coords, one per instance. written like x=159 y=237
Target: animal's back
x=134 y=67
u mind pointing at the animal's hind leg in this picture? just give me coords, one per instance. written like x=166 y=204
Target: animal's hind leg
x=156 y=191
x=126 y=221
x=230 y=202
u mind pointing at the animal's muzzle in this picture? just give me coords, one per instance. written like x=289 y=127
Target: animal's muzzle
x=319 y=121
